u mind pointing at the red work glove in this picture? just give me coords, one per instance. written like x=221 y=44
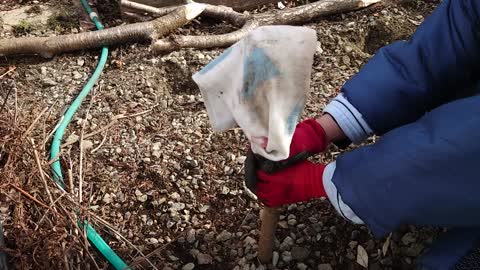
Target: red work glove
x=298 y=183
x=309 y=136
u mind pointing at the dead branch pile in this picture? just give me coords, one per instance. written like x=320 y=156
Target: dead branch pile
x=170 y=19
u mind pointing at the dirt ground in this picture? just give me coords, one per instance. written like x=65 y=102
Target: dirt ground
x=162 y=179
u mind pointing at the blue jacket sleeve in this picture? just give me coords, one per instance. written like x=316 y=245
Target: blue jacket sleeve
x=408 y=78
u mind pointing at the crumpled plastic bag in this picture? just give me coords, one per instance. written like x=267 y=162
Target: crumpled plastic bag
x=260 y=85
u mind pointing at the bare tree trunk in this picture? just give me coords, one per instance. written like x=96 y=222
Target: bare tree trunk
x=49 y=46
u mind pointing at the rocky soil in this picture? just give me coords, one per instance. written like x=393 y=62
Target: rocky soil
x=161 y=177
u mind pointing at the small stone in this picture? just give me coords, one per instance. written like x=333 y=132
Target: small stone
x=353 y=244
x=77 y=75
x=142 y=198
x=415 y=250
x=325 y=266
x=107 y=198
x=157 y=146
x=80 y=62
x=87 y=144
x=156 y=154
x=319 y=48
x=191 y=236
x=302 y=266
x=287 y=243
x=188 y=266
x=355 y=234
x=286 y=256
x=204 y=259
x=240 y=159
x=346 y=60
x=292 y=222
x=225 y=190
x=43 y=70
x=175 y=196
x=224 y=236
x=177 y=207
x=49 y=82
x=408 y=239
x=142 y=68
x=204 y=208
x=275 y=257
x=152 y=241
x=299 y=253
x=249 y=241
x=283 y=224
x=348 y=49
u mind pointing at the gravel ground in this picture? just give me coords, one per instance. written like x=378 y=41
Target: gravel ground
x=170 y=185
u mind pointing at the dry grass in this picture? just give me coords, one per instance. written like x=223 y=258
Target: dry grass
x=41 y=230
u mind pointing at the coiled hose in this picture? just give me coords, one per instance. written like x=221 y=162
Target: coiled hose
x=92 y=235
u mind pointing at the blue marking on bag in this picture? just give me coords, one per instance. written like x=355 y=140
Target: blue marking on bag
x=257 y=69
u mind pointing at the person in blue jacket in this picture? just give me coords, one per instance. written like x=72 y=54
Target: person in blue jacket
x=421 y=97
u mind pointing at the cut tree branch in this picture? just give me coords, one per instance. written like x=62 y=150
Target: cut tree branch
x=291 y=16
x=49 y=46
x=175 y=18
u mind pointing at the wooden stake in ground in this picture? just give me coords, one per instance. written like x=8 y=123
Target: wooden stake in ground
x=153 y=30
x=269 y=218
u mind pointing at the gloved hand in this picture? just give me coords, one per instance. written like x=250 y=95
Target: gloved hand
x=309 y=136
x=300 y=182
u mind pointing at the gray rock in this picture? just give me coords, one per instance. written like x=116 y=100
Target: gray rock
x=275 y=257
x=286 y=256
x=188 y=266
x=77 y=75
x=224 y=236
x=408 y=239
x=175 y=196
x=414 y=250
x=107 y=198
x=325 y=266
x=142 y=198
x=177 y=207
x=292 y=222
x=204 y=259
x=204 y=208
x=302 y=266
x=299 y=253
x=49 y=82
x=191 y=236
x=249 y=241
x=152 y=241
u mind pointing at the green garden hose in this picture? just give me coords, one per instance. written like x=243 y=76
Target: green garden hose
x=92 y=235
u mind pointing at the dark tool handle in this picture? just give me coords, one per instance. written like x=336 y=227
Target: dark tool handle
x=251 y=165
x=254 y=162
x=270 y=167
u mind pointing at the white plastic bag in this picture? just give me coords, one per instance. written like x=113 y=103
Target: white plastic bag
x=260 y=84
